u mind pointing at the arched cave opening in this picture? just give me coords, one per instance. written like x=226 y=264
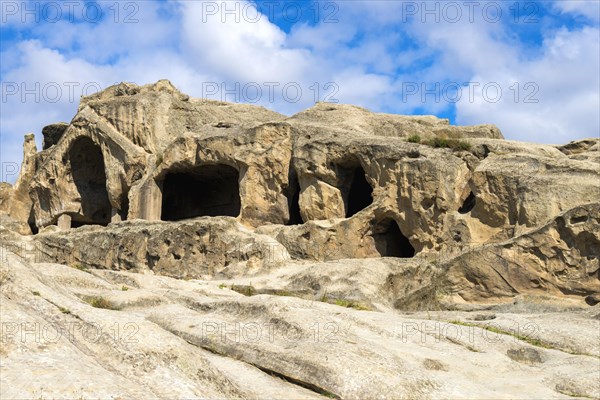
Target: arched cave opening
x=87 y=169
x=293 y=196
x=468 y=204
x=389 y=240
x=357 y=193
x=124 y=212
x=31 y=222
x=207 y=191
x=360 y=193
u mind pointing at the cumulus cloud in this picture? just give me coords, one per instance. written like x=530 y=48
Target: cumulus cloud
x=587 y=8
x=250 y=50
x=551 y=99
x=44 y=87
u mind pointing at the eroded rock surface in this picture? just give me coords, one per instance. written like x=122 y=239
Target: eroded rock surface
x=406 y=239
x=103 y=333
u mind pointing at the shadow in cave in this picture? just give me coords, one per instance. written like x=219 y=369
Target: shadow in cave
x=206 y=191
x=31 y=222
x=468 y=204
x=360 y=193
x=292 y=194
x=389 y=240
x=87 y=169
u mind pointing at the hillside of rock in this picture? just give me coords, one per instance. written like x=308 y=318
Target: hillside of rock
x=445 y=261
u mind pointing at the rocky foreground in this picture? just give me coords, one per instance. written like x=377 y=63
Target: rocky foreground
x=70 y=333
x=161 y=246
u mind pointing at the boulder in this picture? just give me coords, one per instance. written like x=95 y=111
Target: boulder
x=53 y=133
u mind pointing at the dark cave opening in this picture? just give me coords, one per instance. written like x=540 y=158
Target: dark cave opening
x=389 y=240
x=87 y=169
x=293 y=196
x=207 y=191
x=31 y=222
x=79 y=223
x=124 y=212
x=468 y=204
x=358 y=193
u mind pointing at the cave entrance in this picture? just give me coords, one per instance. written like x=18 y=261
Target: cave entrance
x=31 y=222
x=293 y=196
x=207 y=191
x=468 y=204
x=87 y=169
x=360 y=194
x=356 y=191
x=389 y=240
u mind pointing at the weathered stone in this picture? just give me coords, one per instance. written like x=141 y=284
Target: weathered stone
x=15 y=202
x=53 y=133
x=64 y=222
x=559 y=258
x=525 y=355
x=320 y=201
x=216 y=343
x=192 y=249
x=302 y=226
x=330 y=183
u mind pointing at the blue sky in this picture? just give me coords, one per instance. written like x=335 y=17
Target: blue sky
x=529 y=67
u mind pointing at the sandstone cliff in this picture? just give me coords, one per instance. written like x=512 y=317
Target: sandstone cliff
x=336 y=206
x=332 y=182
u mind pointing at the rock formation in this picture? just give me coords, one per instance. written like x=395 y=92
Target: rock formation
x=334 y=205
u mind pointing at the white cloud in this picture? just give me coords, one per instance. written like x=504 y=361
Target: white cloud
x=363 y=89
x=568 y=100
x=586 y=8
x=369 y=53
x=243 y=51
x=44 y=88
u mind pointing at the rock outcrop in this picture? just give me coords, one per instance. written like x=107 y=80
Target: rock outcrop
x=53 y=133
x=333 y=215
x=332 y=182
x=16 y=205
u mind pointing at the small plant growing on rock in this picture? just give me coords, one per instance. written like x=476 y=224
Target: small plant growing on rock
x=439 y=142
x=79 y=266
x=414 y=138
x=342 y=303
x=101 y=302
x=459 y=145
x=284 y=293
x=352 y=304
x=346 y=303
x=124 y=288
x=246 y=290
x=324 y=298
